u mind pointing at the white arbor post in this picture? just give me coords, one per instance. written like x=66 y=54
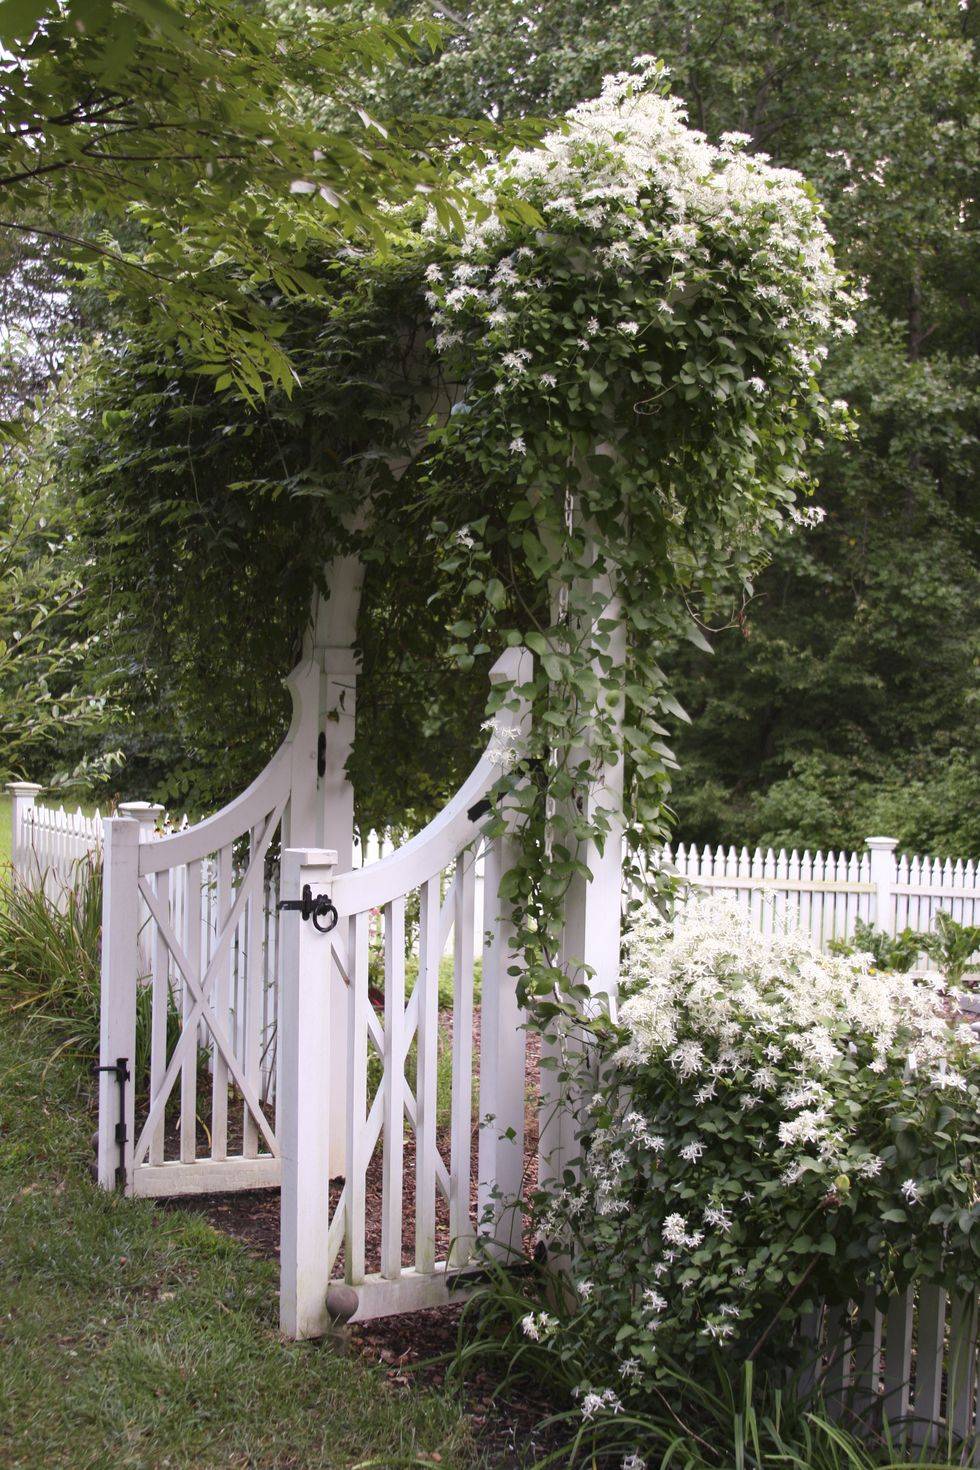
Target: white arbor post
x=591 y=934
x=23 y=796
x=117 y=1014
x=304 y=1123
x=883 y=876
x=503 y=1050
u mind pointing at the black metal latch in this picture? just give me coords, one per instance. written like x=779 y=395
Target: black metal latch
x=316 y=907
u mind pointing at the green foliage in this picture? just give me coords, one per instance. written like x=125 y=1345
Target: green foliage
x=50 y=965
x=952 y=946
x=47 y=700
x=190 y=156
x=773 y=1128
x=635 y=389
x=719 y=1418
x=897 y=953
x=841 y=701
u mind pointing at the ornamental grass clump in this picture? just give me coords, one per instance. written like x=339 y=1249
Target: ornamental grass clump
x=775 y=1127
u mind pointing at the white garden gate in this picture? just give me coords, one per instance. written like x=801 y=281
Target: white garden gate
x=204 y=983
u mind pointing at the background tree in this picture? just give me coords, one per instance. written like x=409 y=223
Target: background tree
x=842 y=698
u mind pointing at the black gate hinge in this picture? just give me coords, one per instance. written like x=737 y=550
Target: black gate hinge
x=120 y=1070
x=313 y=907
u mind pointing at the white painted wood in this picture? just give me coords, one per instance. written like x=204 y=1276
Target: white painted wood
x=206 y=1176
x=867 y=1359
x=358 y=1152
x=896 y=1379
x=882 y=850
x=461 y=1169
x=427 y=1073
x=188 y=1072
x=160 y=1001
x=931 y=1326
x=303 y=1106
x=117 y=1009
x=413 y=1292
x=23 y=795
x=963 y=1382
x=254 y=986
x=502 y=1069
x=838 y=1374
x=219 y=1004
x=394 y=1090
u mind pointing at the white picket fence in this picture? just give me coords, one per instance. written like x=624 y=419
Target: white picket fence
x=823 y=893
x=913 y=1368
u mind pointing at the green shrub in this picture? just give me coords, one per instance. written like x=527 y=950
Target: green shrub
x=50 y=962
x=774 y=1127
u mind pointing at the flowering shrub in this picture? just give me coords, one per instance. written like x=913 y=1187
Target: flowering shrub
x=775 y=1126
x=633 y=372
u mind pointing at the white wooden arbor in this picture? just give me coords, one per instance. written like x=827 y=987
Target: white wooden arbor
x=305 y=1078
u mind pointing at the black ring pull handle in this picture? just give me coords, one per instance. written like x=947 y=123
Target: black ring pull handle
x=316 y=907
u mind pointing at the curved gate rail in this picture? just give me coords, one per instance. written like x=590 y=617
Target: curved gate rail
x=441 y=857
x=189 y=973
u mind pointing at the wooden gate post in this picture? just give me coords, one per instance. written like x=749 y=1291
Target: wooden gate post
x=303 y=1105
x=117 y=1002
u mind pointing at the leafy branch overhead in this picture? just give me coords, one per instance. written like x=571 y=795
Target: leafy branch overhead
x=195 y=158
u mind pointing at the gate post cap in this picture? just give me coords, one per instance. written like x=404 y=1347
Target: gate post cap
x=882 y=844
x=315 y=857
x=23 y=788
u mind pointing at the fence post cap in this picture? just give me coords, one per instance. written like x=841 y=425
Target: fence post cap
x=882 y=844
x=141 y=811
x=23 y=788
x=314 y=857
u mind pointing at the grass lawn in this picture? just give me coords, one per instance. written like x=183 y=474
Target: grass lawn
x=134 y=1337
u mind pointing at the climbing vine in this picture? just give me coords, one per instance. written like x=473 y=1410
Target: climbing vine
x=635 y=393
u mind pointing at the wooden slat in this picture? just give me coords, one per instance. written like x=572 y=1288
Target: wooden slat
x=158 y=1019
x=394 y=1090
x=251 y=994
x=929 y=1339
x=188 y=1071
x=461 y=1147
x=219 y=1003
x=358 y=1154
x=962 y=1385
x=838 y=1374
x=425 y=1092
x=867 y=1359
x=898 y=1359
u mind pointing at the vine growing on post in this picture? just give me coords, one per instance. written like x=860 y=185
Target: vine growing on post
x=635 y=397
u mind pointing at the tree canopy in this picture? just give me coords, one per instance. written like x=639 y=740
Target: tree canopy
x=839 y=696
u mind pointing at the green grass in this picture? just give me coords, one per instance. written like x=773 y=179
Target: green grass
x=134 y=1337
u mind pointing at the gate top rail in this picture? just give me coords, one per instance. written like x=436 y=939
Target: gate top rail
x=432 y=849
x=269 y=789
